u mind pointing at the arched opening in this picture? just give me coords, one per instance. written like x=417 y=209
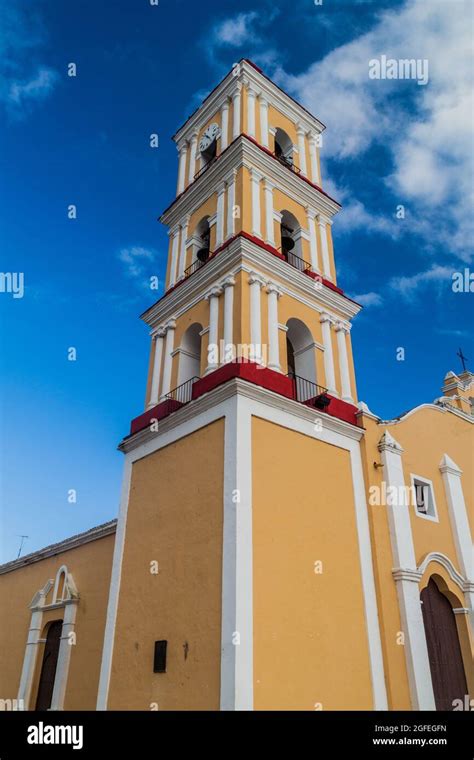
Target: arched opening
x=444 y=650
x=283 y=147
x=290 y=229
x=190 y=355
x=49 y=665
x=202 y=241
x=301 y=359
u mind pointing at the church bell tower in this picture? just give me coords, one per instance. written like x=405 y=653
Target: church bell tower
x=242 y=575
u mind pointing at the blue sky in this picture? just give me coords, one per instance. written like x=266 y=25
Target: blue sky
x=84 y=140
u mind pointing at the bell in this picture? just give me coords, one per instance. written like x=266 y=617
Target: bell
x=287 y=244
x=203 y=254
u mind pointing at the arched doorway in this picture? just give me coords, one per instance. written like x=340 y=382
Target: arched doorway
x=301 y=358
x=444 y=651
x=283 y=147
x=190 y=354
x=49 y=664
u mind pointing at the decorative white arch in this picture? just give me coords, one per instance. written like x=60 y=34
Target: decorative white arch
x=38 y=606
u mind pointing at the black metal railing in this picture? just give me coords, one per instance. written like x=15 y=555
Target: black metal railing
x=297 y=262
x=288 y=162
x=195 y=266
x=183 y=393
x=308 y=392
x=201 y=171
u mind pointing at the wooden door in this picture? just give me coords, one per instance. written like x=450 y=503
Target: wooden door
x=48 y=668
x=444 y=650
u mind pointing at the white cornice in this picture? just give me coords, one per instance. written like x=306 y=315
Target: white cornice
x=63 y=546
x=266 y=89
x=244 y=255
x=243 y=152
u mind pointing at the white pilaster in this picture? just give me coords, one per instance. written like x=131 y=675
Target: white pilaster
x=192 y=158
x=220 y=215
x=64 y=655
x=182 y=256
x=155 y=380
x=231 y=204
x=174 y=254
x=313 y=244
x=236 y=98
x=328 y=354
x=269 y=227
x=213 y=348
x=169 y=345
x=251 y=96
x=183 y=152
x=324 y=247
x=264 y=122
x=256 y=284
x=406 y=577
x=315 y=175
x=224 y=125
x=31 y=653
x=228 y=287
x=274 y=294
x=341 y=331
x=451 y=475
x=302 y=150
x=255 y=178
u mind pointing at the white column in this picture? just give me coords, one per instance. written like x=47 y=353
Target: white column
x=228 y=286
x=269 y=229
x=182 y=257
x=341 y=331
x=155 y=379
x=224 y=125
x=451 y=474
x=169 y=345
x=213 y=348
x=230 y=204
x=220 y=215
x=315 y=175
x=313 y=244
x=183 y=152
x=406 y=578
x=251 y=95
x=236 y=111
x=64 y=655
x=255 y=178
x=274 y=294
x=328 y=355
x=324 y=247
x=29 y=662
x=174 y=255
x=256 y=284
x=302 y=150
x=192 y=158
x=264 y=121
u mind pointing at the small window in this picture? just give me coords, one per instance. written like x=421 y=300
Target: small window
x=423 y=496
x=159 y=663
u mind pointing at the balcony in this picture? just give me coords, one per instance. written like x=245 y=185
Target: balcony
x=290 y=386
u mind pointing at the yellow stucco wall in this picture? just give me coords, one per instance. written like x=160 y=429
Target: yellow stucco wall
x=310 y=640
x=175 y=518
x=425 y=436
x=90 y=565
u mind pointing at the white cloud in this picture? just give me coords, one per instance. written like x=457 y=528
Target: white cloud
x=369 y=299
x=407 y=286
x=237 y=30
x=23 y=80
x=426 y=129
x=136 y=260
x=35 y=88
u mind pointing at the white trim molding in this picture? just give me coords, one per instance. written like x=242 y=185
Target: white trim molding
x=406 y=580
